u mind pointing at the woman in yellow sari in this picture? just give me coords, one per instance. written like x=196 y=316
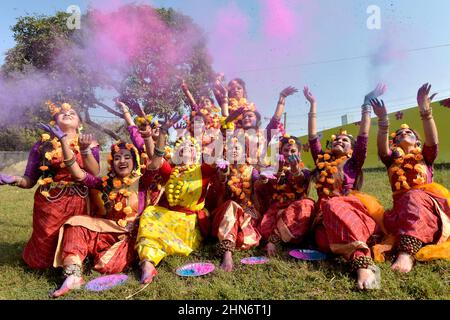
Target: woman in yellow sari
x=177 y=224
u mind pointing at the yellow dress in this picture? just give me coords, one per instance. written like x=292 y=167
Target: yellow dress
x=164 y=232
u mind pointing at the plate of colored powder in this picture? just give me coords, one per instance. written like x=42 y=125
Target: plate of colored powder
x=195 y=269
x=106 y=282
x=255 y=260
x=306 y=254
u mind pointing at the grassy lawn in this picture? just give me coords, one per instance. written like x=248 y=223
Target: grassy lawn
x=282 y=278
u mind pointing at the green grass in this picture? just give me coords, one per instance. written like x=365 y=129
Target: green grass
x=282 y=278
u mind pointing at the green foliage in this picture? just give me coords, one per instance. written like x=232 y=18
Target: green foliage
x=17 y=139
x=282 y=278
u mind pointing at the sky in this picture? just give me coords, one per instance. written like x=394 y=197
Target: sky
x=324 y=44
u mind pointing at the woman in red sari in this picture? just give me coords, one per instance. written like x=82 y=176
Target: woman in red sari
x=58 y=196
x=290 y=214
x=344 y=222
x=421 y=212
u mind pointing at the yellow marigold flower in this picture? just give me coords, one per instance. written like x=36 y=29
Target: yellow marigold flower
x=418 y=157
x=291 y=141
x=45 y=193
x=122 y=222
x=322 y=179
x=318 y=186
x=129 y=146
x=62 y=165
x=112 y=196
x=326 y=156
x=127 y=210
x=117 y=183
x=66 y=107
x=333 y=170
x=48 y=180
x=43 y=168
x=405 y=185
x=52 y=123
x=116 y=148
x=127 y=181
x=320 y=165
x=408 y=166
x=104 y=184
x=400 y=172
x=41 y=182
x=393 y=135
x=333 y=137
x=45 y=137
x=402 y=178
x=118 y=206
x=48 y=156
x=404 y=126
x=104 y=178
x=330 y=180
x=326 y=191
x=397 y=185
x=144 y=156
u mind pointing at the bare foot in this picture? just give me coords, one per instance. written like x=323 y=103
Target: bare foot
x=403 y=263
x=271 y=249
x=227 y=262
x=148 y=272
x=71 y=282
x=366 y=279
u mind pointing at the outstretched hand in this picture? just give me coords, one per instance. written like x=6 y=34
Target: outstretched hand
x=308 y=95
x=55 y=131
x=423 y=99
x=286 y=92
x=219 y=89
x=378 y=107
x=85 y=140
x=6 y=179
x=375 y=93
x=169 y=123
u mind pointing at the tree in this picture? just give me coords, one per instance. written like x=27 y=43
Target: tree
x=136 y=53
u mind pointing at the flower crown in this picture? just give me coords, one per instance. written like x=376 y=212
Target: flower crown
x=116 y=148
x=341 y=133
x=403 y=126
x=394 y=134
x=184 y=140
x=140 y=121
x=53 y=109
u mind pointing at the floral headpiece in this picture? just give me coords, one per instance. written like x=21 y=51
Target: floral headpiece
x=54 y=109
x=134 y=152
x=234 y=104
x=394 y=134
x=341 y=133
x=191 y=140
x=141 y=121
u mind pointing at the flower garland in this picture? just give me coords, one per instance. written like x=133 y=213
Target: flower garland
x=142 y=121
x=407 y=170
x=327 y=164
x=240 y=184
x=286 y=190
x=178 y=185
x=234 y=104
x=115 y=193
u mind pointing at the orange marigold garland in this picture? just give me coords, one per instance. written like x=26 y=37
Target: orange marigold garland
x=328 y=167
x=240 y=184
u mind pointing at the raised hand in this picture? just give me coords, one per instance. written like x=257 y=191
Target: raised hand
x=85 y=140
x=308 y=95
x=55 y=131
x=222 y=164
x=6 y=179
x=169 y=123
x=375 y=93
x=423 y=99
x=146 y=132
x=286 y=92
x=219 y=89
x=379 y=108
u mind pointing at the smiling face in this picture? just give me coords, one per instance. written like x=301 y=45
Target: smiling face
x=67 y=119
x=123 y=163
x=236 y=90
x=289 y=149
x=155 y=131
x=249 y=120
x=341 y=145
x=405 y=138
x=206 y=103
x=188 y=153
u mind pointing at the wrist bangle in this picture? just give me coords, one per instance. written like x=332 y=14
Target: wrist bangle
x=70 y=162
x=159 y=153
x=312 y=114
x=85 y=152
x=17 y=183
x=426 y=115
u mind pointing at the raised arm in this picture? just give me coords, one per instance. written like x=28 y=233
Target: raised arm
x=156 y=160
x=429 y=126
x=221 y=94
x=69 y=157
x=86 y=141
x=147 y=135
x=188 y=94
x=312 y=115
x=126 y=113
x=286 y=92
x=383 y=128
x=365 y=112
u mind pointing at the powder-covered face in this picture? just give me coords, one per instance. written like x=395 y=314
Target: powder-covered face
x=123 y=163
x=199 y=124
x=405 y=138
x=289 y=149
x=235 y=90
x=188 y=153
x=341 y=145
x=67 y=119
x=237 y=152
x=206 y=103
x=249 y=120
